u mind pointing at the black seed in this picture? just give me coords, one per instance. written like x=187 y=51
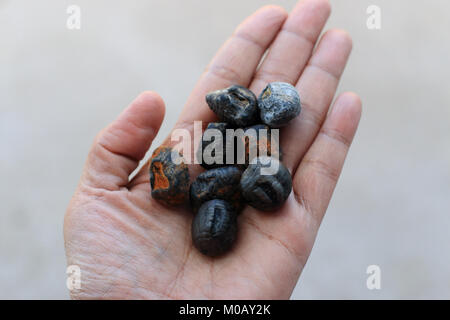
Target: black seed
x=214 y=145
x=266 y=192
x=169 y=181
x=220 y=183
x=258 y=142
x=279 y=103
x=236 y=105
x=214 y=228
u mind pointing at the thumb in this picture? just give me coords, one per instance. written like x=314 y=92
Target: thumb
x=118 y=148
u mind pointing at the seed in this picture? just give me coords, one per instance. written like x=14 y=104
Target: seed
x=236 y=105
x=212 y=149
x=220 y=183
x=279 y=103
x=258 y=142
x=214 y=227
x=266 y=190
x=169 y=181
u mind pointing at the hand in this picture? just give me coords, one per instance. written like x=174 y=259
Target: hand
x=129 y=246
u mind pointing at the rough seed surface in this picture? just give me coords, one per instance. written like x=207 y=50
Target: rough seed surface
x=235 y=105
x=220 y=183
x=214 y=228
x=212 y=147
x=169 y=181
x=266 y=192
x=279 y=103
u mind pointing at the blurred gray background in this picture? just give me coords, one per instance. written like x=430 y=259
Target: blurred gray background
x=59 y=87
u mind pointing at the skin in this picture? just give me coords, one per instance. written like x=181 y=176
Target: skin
x=130 y=247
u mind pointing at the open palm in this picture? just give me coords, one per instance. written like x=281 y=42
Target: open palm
x=129 y=246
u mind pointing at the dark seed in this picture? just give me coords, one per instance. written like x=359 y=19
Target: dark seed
x=169 y=181
x=236 y=105
x=279 y=103
x=214 y=227
x=258 y=142
x=220 y=183
x=210 y=150
x=266 y=188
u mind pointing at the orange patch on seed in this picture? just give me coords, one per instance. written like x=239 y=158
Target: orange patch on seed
x=161 y=181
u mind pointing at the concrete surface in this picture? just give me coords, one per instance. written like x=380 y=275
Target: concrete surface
x=59 y=87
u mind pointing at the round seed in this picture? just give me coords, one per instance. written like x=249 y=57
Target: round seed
x=235 y=105
x=279 y=103
x=212 y=149
x=258 y=142
x=214 y=228
x=266 y=190
x=169 y=181
x=220 y=183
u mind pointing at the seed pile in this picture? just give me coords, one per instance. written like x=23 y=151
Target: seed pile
x=220 y=193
